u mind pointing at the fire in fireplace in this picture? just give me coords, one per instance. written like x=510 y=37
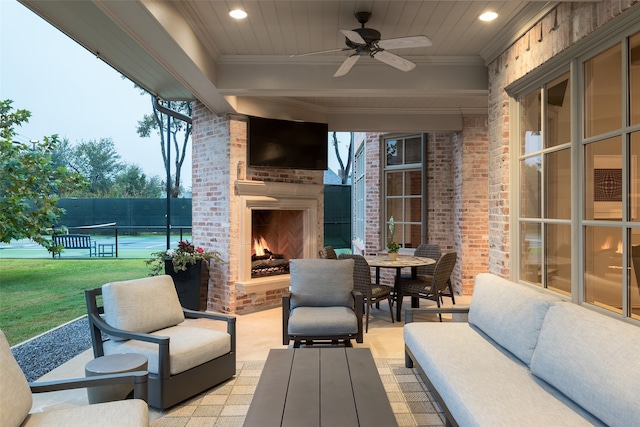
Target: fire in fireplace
x=266 y=263
x=276 y=238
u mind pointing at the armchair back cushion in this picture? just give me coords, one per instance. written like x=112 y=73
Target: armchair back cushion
x=508 y=313
x=142 y=305
x=317 y=282
x=15 y=394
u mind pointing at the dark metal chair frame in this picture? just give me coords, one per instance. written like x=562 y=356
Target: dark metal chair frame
x=166 y=390
x=371 y=292
x=321 y=339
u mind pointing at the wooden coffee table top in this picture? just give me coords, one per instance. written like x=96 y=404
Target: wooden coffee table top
x=320 y=387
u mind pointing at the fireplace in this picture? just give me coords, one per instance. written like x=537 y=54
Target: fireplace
x=277 y=236
x=283 y=217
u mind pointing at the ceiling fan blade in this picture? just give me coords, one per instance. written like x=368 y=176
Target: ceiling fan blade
x=394 y=60
x=340 y=49
x=353 y=36
x=404 y=42
x=347 y=65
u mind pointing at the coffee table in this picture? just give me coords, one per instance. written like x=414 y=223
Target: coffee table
x=320 y=387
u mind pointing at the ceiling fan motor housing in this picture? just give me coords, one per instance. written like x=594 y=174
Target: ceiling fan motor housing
x=368 y=34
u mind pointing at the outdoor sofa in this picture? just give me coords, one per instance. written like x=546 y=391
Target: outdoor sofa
x=528 y=358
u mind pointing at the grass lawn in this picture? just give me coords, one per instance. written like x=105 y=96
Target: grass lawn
x=39 y=294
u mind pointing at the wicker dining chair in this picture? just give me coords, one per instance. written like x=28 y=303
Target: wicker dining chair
x=327 y=253
x=371 y=292
x=426 y=250
x=432 y=287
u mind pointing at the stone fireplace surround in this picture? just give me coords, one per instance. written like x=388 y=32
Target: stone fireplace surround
x=259 y=195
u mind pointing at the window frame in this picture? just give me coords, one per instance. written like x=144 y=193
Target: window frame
x=573 y=59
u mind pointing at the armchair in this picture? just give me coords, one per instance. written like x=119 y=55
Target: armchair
x=322 y=305
x=144 y=316
x=16 y=398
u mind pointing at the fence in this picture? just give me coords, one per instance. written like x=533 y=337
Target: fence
x=133 y=216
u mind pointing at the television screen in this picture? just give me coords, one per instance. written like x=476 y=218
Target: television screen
x=287 y=144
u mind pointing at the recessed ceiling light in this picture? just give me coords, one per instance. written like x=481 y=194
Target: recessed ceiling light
x=238 y=14
x=488 y=16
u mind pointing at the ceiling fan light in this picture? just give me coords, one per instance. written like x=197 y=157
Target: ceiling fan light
x=238 y=14
x=488 y=16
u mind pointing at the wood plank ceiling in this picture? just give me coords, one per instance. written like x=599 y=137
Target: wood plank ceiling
x=192 y=49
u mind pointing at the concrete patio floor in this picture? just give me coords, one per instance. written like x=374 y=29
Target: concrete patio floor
x=257 y=333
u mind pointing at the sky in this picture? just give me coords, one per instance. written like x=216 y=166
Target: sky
x=72 y=93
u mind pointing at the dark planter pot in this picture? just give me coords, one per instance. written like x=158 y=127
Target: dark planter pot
x=188 y=283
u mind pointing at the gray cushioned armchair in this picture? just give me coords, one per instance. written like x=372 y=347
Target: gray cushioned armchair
x=145 y=316
x=16 y=398
x=322 y=305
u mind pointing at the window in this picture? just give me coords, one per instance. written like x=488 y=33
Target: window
x=545 y=186
x=403 y=189
x=359 y=188
x=604 y=117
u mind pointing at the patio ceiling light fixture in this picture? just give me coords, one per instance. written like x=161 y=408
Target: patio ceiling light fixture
x=488 y=16
x=238 y=14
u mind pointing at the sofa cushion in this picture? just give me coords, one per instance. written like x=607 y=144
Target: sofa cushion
x=189 y=346
x=321 y=282
x=15 y=394
x=123 y=413
x=484 y=385
x=320 y=321
x=509 y=313
x=142 y=305
x=593 y=359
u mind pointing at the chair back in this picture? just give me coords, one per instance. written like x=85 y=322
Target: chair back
x=426 y=250
x=327 y=253
x=361 y=273
x=443 y=270
x=15 y=398
x=321 y=282
x=133 y=305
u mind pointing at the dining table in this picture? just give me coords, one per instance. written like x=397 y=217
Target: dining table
x=402 y=261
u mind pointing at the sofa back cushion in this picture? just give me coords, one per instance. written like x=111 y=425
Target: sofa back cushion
x=509 y=313
x=142 y=305
x=593 y=359
x=321 y=282
x=15 y=394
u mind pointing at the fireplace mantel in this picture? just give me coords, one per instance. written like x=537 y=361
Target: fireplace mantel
x=278 y=189
x=274 y=195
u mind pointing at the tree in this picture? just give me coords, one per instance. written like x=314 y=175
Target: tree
x=345 y=171
x=132 y=182
x=179 y=136
x=99 y=162
x=30 y=183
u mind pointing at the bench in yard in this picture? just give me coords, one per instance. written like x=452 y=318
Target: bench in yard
x=75 y=241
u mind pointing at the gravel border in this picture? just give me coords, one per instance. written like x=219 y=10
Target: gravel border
x=46 y=352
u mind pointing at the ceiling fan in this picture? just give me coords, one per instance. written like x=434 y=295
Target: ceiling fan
x=366 y=41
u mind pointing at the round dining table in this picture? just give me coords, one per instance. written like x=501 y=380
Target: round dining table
x=403 y=261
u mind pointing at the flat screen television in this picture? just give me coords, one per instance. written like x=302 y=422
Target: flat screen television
x=287 y=144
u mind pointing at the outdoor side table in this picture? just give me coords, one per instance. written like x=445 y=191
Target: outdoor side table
x=105 y=249
x=113 y=364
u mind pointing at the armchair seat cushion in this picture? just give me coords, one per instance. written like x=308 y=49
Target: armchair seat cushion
x=122 y=413
x=322 y=321
x=189 y=347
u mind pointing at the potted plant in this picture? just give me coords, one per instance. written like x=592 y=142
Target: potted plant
x=392 y=247
x=184 y=265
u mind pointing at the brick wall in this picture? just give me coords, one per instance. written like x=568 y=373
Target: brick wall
x=566 y=25
x=470 y=166
x=219 y=159
x=456 y=189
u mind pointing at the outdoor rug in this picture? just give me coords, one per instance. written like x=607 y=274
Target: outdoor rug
x=227 y=404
